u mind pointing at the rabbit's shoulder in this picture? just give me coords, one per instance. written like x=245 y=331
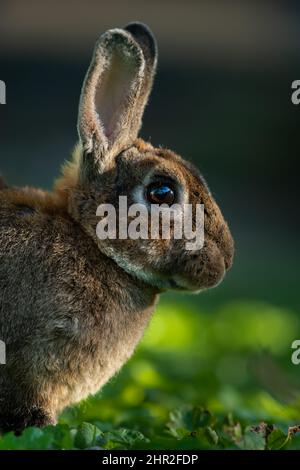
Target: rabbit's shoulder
x=41 y=244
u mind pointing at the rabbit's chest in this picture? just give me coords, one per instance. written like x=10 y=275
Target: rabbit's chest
x=99 y=355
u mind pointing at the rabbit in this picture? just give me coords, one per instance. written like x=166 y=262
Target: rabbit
x=73 y=306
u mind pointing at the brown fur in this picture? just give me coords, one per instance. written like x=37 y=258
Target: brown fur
x=73 y=307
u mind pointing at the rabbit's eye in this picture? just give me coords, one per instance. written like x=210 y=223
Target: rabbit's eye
x=160 y=194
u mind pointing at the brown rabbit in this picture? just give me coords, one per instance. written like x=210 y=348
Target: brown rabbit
x=73 y=307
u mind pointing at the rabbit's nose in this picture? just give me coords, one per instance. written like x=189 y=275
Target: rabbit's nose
x=228 y=260
x=227 y=248
x=224 y=241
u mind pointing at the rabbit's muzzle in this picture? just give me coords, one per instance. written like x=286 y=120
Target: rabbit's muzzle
x=205 y=268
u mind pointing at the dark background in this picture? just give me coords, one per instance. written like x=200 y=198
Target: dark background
x=222 y=99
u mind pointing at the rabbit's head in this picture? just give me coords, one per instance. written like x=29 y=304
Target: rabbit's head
x=110 y=161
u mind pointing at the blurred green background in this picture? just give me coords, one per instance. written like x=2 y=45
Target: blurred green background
x=222 y=99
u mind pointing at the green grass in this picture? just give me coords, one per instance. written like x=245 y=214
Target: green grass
x=217 y=378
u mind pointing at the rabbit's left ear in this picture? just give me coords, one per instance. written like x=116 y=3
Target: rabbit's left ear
x=114 y=94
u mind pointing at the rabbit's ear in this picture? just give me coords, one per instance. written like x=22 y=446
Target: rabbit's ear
x=110 y=109
x=145 y=38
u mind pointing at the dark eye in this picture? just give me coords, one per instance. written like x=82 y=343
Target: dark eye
x=160 y=194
